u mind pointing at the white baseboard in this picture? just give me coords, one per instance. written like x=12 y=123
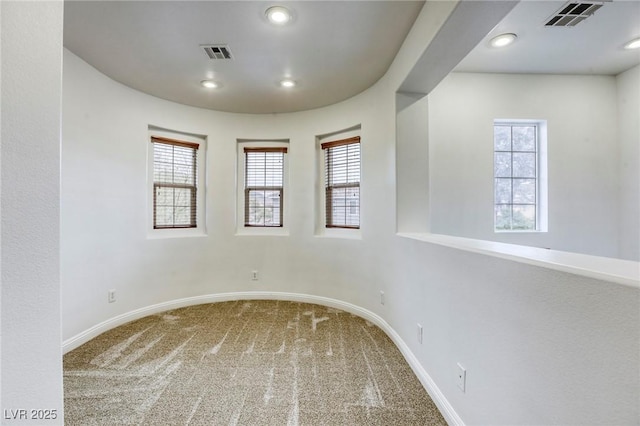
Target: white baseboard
x=432 y=389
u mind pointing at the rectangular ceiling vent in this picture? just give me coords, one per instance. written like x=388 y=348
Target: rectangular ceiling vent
x=217 y=51
x=572 y=13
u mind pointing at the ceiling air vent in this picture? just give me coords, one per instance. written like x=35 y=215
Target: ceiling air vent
x=217 y=51
x=572 y=13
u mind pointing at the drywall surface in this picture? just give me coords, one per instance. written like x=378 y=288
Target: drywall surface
x=31 y=34
x=582 y=155
x=105 y=244
x=476 y=310
x=0 y=207
x=539 y=346
x=536 y=342
x=412 y=166
x=628 y=84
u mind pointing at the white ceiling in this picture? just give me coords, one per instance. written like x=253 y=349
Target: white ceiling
x=333 y=49
x=594 y=46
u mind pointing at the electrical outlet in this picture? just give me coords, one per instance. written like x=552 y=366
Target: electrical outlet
x=461 y=377
x=112 y=295
x=419 y=335
x=254 y=275
x=382 y=297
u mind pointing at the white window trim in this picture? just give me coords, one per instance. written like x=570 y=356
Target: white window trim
x=242 y=230
x=321 y=230
x=200 y=230
x=541 y=178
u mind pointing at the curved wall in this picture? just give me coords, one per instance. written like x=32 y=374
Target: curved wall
x=539 y=345
x=104 y=212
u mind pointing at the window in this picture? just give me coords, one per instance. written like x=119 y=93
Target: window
x=263 y=188
x=342 y=183
x=175 y=180
x=517 y=176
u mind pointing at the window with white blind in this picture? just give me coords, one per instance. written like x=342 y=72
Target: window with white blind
x=342 y=183
x=519 y=176
x=175 y=183
x=264 y=186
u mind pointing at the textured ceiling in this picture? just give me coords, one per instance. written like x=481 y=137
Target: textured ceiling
x=594 y=46
x=332 y=49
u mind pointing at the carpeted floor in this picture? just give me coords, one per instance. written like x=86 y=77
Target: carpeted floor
x=244 y=363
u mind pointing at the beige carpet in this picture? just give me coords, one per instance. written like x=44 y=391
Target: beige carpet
x=244 y=363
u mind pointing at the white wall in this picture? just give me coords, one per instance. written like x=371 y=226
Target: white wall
x=540 y=346
x=582 y=156
x=412 y=166
x=31 y=34
x=628 y=85
x=104 y=211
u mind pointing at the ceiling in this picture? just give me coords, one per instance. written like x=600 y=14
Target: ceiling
x=594 y=46
x=332 y=49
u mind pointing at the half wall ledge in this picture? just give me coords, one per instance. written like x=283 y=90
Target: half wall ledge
x=623 y=272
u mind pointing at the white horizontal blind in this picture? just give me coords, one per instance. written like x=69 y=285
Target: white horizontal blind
x=342 y=183
x=263 y=194
x=175 y=179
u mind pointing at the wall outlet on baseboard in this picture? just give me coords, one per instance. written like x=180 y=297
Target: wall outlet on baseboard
x=112 y=295
x=382 y=297
x=254 y=275
x=419 y=333
x=461 y=377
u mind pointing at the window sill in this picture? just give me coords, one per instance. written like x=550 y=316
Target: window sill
x=523 y=231
x=157 y=234
x=256 y=231
x=350 y=234
x=618 y=271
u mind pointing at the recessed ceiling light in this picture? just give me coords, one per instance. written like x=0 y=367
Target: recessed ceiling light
x=633 y=44
x=288 y=83
x=278 y=15
x=209 y=84
x=503 y=40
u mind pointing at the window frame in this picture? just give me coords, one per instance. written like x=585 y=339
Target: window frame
x=540 y=220
x=164 y=135
x=248 y=189
x=193 y=204
x=329 y=187
x=240 y=173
